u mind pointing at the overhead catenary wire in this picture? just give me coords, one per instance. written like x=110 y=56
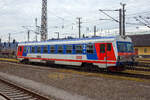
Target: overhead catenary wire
x=109 y=15
x=142 y=22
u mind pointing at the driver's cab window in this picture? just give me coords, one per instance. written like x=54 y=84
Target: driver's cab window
x=102 y=48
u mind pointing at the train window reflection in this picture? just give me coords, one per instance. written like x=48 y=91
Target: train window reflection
x=90 y=48
x=102 y=48
x=78 y=49
x=129 y=47
x=125 y=47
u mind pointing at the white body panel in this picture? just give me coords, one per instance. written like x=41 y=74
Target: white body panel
x=58 y=56
x=54 y=57
x=68 y=63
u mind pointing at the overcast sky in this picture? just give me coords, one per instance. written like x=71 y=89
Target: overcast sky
x=17 y=13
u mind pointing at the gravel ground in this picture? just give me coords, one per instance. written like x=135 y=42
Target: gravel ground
x=1 y=98
x=98 y=88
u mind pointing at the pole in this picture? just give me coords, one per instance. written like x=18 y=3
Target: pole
x=9 y=37
x=36 y=29
x=57 y=35
x=120 y=22
x=28 y=35
x=95 y=31
x=36 y=38
x=79 y=19
x=44 y=31
x=36 y=23
x=123 y=18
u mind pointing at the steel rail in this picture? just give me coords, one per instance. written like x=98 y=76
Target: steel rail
x=11 y=91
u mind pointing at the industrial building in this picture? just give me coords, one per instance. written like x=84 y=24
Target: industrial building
x=8 y=48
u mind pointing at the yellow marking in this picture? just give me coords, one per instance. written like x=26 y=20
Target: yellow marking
x=60 y=76
x=137 y=72
x=144 y=60
x=7 y=59
x=106 y=76
x=143 y=67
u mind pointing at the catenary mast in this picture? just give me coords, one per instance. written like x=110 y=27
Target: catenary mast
x=44 y=32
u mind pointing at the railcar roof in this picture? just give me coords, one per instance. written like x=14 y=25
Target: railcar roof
x=77 y=41
x=67 y=40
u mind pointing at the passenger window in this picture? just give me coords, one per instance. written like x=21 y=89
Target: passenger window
x=60 y=49
x=20 y=48
x=52 y=49
x=25 y=49
x=78 y=49
x=69 y=49
x=38 y=49
x=109 y=47
x=102 y=48
x=33 y=49
x=45 y=50
x=28 y=49
x=90 y=48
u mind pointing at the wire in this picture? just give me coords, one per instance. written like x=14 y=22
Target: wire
x=142 y=22
x=138 y=13
x=59 y=17
x=109 y=16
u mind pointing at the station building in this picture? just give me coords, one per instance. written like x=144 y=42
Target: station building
x=141 y=44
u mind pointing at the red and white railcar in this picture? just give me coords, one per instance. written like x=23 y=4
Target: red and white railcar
x=112 y=53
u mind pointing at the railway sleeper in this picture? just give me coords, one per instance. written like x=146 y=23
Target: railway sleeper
x=17 y=93
x=22 y=98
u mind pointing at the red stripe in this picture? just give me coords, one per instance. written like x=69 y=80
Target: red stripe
x=69 y=60
x=126 y=53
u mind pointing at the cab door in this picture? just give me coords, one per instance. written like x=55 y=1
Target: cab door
x=110 y=54
x=103 y=54
x=20 y=51
x=102 y=51
x=107 y=54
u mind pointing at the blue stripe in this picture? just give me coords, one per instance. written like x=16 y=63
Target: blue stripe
x=89 y=56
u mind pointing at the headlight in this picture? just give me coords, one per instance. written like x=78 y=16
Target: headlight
x=119 y=57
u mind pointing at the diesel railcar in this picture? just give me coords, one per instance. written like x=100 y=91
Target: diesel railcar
x=111 y=53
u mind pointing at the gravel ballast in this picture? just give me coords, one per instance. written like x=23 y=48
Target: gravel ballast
x=46 y=89
x=75 y=86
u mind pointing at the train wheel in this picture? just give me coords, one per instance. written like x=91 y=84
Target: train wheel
x=87 y=66
x=25 y=61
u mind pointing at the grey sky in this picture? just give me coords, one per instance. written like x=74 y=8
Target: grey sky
x=17 y=13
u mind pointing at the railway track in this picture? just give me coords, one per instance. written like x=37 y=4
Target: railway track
x=103 y=71
x=141 y=76
x=144 y=67
x=11 y=91
x=138 y=69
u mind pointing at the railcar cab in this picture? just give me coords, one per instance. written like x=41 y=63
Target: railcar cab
x=20 y=51
x=106 y=54
x=126 y=54
x=105 y=51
